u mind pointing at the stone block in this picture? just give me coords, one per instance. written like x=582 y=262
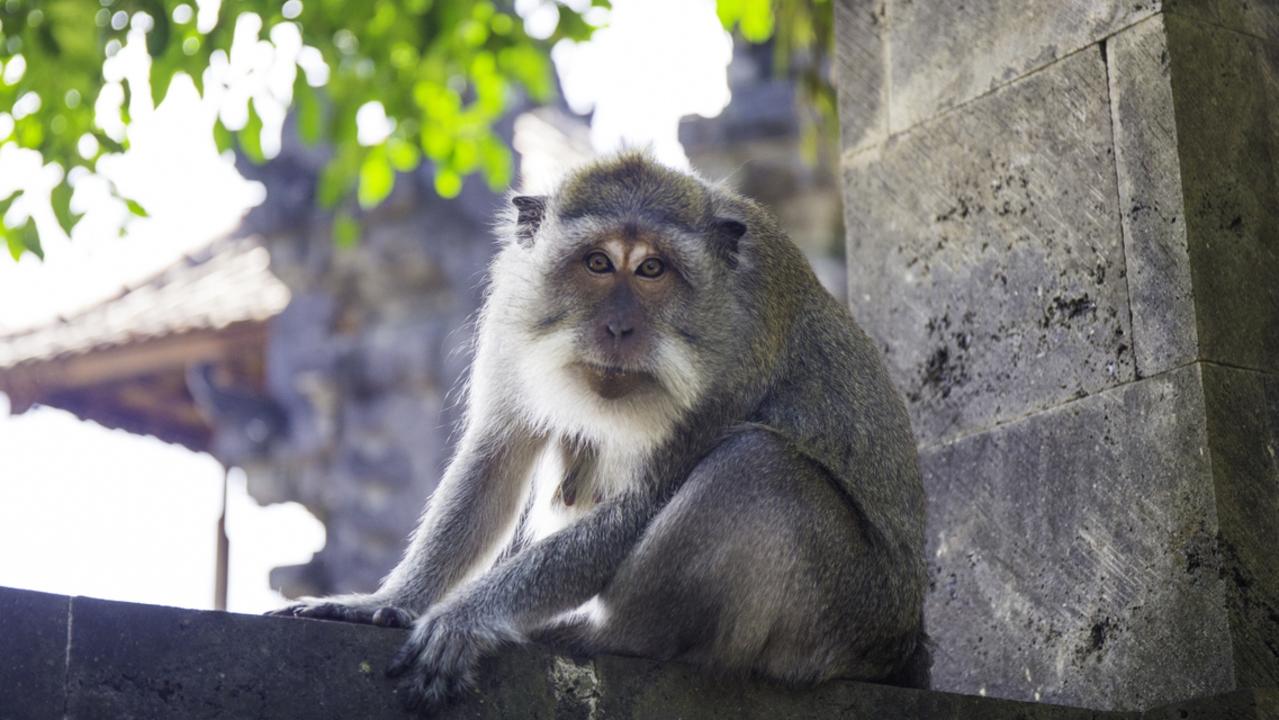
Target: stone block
x=985 y=253
x=1251 y=704
x=33 y=654
x=859 y=72
x=944 y=53
x=1072 y=553
x=1160 y=292
x=1243 y=439
x=1226 y=94
x=1259 y=18
x=646 y=690
x=142 y=661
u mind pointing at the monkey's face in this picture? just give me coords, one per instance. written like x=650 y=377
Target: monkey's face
x=624 y=283
x=622 y=288
x=621 y=299
x=614 y=315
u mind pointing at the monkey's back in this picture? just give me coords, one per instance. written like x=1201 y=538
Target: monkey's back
x=832 y=398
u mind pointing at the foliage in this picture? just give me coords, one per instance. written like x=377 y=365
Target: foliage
x=802 y=32
x=443 y=70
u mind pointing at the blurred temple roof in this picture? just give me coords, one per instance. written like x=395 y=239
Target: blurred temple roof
x=123 y=363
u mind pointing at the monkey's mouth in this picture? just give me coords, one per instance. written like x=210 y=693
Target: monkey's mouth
x=611 y=382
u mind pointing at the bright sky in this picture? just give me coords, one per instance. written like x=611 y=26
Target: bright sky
x=90 y=511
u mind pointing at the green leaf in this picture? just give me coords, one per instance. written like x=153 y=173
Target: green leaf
x=436 y=142
x=404 y=155
x=346 y=230
x=23 y=239
x=161 y=77
x=6 y=203
x=16 y=248
x=136 y=208
x=60 y=199
x=250 y=137
x=447 y=182
x=31 y=238
x=377 y=177
x=495 y=158
x=338 y=177
x=310 y=114
x=222 y=138
x=159 y=35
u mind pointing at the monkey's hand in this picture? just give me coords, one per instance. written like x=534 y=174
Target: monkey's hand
x=439 y=661
x=364 y=609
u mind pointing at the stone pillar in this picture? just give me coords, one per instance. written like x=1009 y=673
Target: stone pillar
x=1063 y=230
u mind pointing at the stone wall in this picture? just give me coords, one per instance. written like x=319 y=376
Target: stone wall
x=85 y=658
x=1063 y=230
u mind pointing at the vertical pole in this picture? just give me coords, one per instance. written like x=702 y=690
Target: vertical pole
x=223 y=551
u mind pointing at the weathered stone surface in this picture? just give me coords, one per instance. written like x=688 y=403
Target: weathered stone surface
x=985 y=253
x=645 y=690
x=142 y=661
x=1253 y=17
x=1160 y=292
x=1226 y=94
x=945 y=53
x=1243 y=438
x=1254 y=704
x=33 y=651
x=1072 y=553
x=860 y=71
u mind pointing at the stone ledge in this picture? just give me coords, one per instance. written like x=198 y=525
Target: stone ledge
x=87 y=658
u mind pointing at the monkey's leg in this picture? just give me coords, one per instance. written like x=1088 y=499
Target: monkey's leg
x=758 y=565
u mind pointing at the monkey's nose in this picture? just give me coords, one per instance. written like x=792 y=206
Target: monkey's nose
x=619 y=330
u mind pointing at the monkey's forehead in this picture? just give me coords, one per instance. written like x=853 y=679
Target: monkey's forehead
x=632 y=186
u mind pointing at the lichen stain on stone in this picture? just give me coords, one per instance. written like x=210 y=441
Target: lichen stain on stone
x=366 y=668
x=1098 y=634
x=1064 y=310
x=946 y=367
x=575 y=685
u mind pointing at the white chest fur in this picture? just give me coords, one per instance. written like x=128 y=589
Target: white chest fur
x=611 y=473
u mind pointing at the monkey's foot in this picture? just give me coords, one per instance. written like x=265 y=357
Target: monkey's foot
x=439 y=661
x=381 y=615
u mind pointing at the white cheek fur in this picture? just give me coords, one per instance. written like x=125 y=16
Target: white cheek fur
x=554 y=399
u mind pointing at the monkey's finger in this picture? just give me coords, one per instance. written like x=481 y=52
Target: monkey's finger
x=407 y=657
x=334 y=611
x=404 y=661
x=434 y=648
x=393 y=617
x=448 y=660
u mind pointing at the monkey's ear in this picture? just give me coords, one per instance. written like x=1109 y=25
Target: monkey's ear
x=530 y=210
x=725 y=236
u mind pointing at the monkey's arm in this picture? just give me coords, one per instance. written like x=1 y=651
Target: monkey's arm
x=554 y=575
x=472 y=510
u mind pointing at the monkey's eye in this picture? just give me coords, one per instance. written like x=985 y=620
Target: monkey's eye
x=598 y=263
x=651 y=268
